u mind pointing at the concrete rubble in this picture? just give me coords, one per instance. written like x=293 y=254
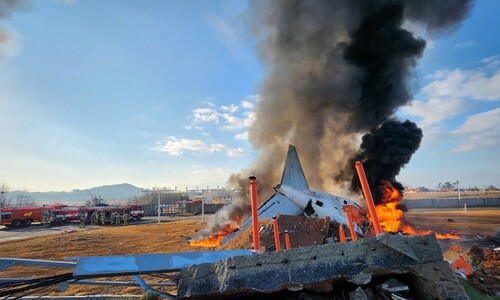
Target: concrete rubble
x=409 y=267
x=487 y=276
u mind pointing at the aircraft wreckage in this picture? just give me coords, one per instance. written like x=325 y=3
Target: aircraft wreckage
x=385 y=266
x=293 y=197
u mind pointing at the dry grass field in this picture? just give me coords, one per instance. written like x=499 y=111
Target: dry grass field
x=119 y=240
x=477 y=220
x=171 y=237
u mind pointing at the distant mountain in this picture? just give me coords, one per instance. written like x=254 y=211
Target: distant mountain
x=109 y=193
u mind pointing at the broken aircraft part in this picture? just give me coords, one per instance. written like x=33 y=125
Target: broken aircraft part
x=293 y=197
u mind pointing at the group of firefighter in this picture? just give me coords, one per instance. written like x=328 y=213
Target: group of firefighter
x=49 y=219
x=99 y=218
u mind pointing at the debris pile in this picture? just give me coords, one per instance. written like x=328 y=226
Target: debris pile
x=390 y=265
x=479 y=264
x=303 y=231
x=487 y=276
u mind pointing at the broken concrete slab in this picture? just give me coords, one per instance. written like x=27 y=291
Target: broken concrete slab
x=327 y=269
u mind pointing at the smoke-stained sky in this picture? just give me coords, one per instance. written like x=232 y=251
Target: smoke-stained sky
x=9 y=39
x=336 y=70
x=162 y=94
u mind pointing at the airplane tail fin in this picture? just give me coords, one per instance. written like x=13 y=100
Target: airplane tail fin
x=293 y=175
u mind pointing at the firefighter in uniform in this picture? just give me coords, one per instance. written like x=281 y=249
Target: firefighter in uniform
x=125 y=218
x=45 y=221
x=82 y=220
x=93 y=218
x=102 y=218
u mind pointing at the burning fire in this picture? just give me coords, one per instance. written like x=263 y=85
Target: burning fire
x=391 y=217
x=215 y=239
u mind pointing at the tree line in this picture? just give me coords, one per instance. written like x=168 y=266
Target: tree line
x=22 y=199
x=454 y=186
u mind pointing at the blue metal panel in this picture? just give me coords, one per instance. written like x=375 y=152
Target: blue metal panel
x=6 y=262
x=98 y=266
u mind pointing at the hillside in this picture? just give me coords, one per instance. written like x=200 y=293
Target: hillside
x=114 y=192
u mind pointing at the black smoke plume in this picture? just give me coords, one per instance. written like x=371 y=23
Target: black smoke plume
x=384 y=151
x=336 y=70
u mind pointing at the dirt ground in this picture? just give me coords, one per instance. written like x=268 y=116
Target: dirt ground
x=171 y=236
x=475 y=221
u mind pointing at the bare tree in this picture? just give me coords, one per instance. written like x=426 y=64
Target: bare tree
x=492 y=188
x=23 y=199
x=447 y=186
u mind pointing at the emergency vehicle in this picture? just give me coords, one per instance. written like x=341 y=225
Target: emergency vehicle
x=17 y=216
x=136 y=211
x=64 y=214
x=59 y=213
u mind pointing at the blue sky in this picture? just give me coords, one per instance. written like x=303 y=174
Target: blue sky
x=161 y=93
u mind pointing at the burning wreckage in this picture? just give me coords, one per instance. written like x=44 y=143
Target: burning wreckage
x=374 y=265
x=318 y=263
x=293 y=197
x=294 y=201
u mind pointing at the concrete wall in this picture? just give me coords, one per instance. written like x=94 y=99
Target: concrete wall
x=452 y=202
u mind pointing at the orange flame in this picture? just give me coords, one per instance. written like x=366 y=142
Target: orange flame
x=391 y=217
x=215 y=239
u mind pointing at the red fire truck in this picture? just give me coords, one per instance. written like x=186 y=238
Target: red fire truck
x=59 y=214
x=24 y=216
x=63 y=214
x=17 y=216
x=136 y=211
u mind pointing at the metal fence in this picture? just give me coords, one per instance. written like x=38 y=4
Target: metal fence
x=454 y=202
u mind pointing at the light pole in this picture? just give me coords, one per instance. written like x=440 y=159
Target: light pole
x=203 y=204
x=159 y=207
x=459 y=197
